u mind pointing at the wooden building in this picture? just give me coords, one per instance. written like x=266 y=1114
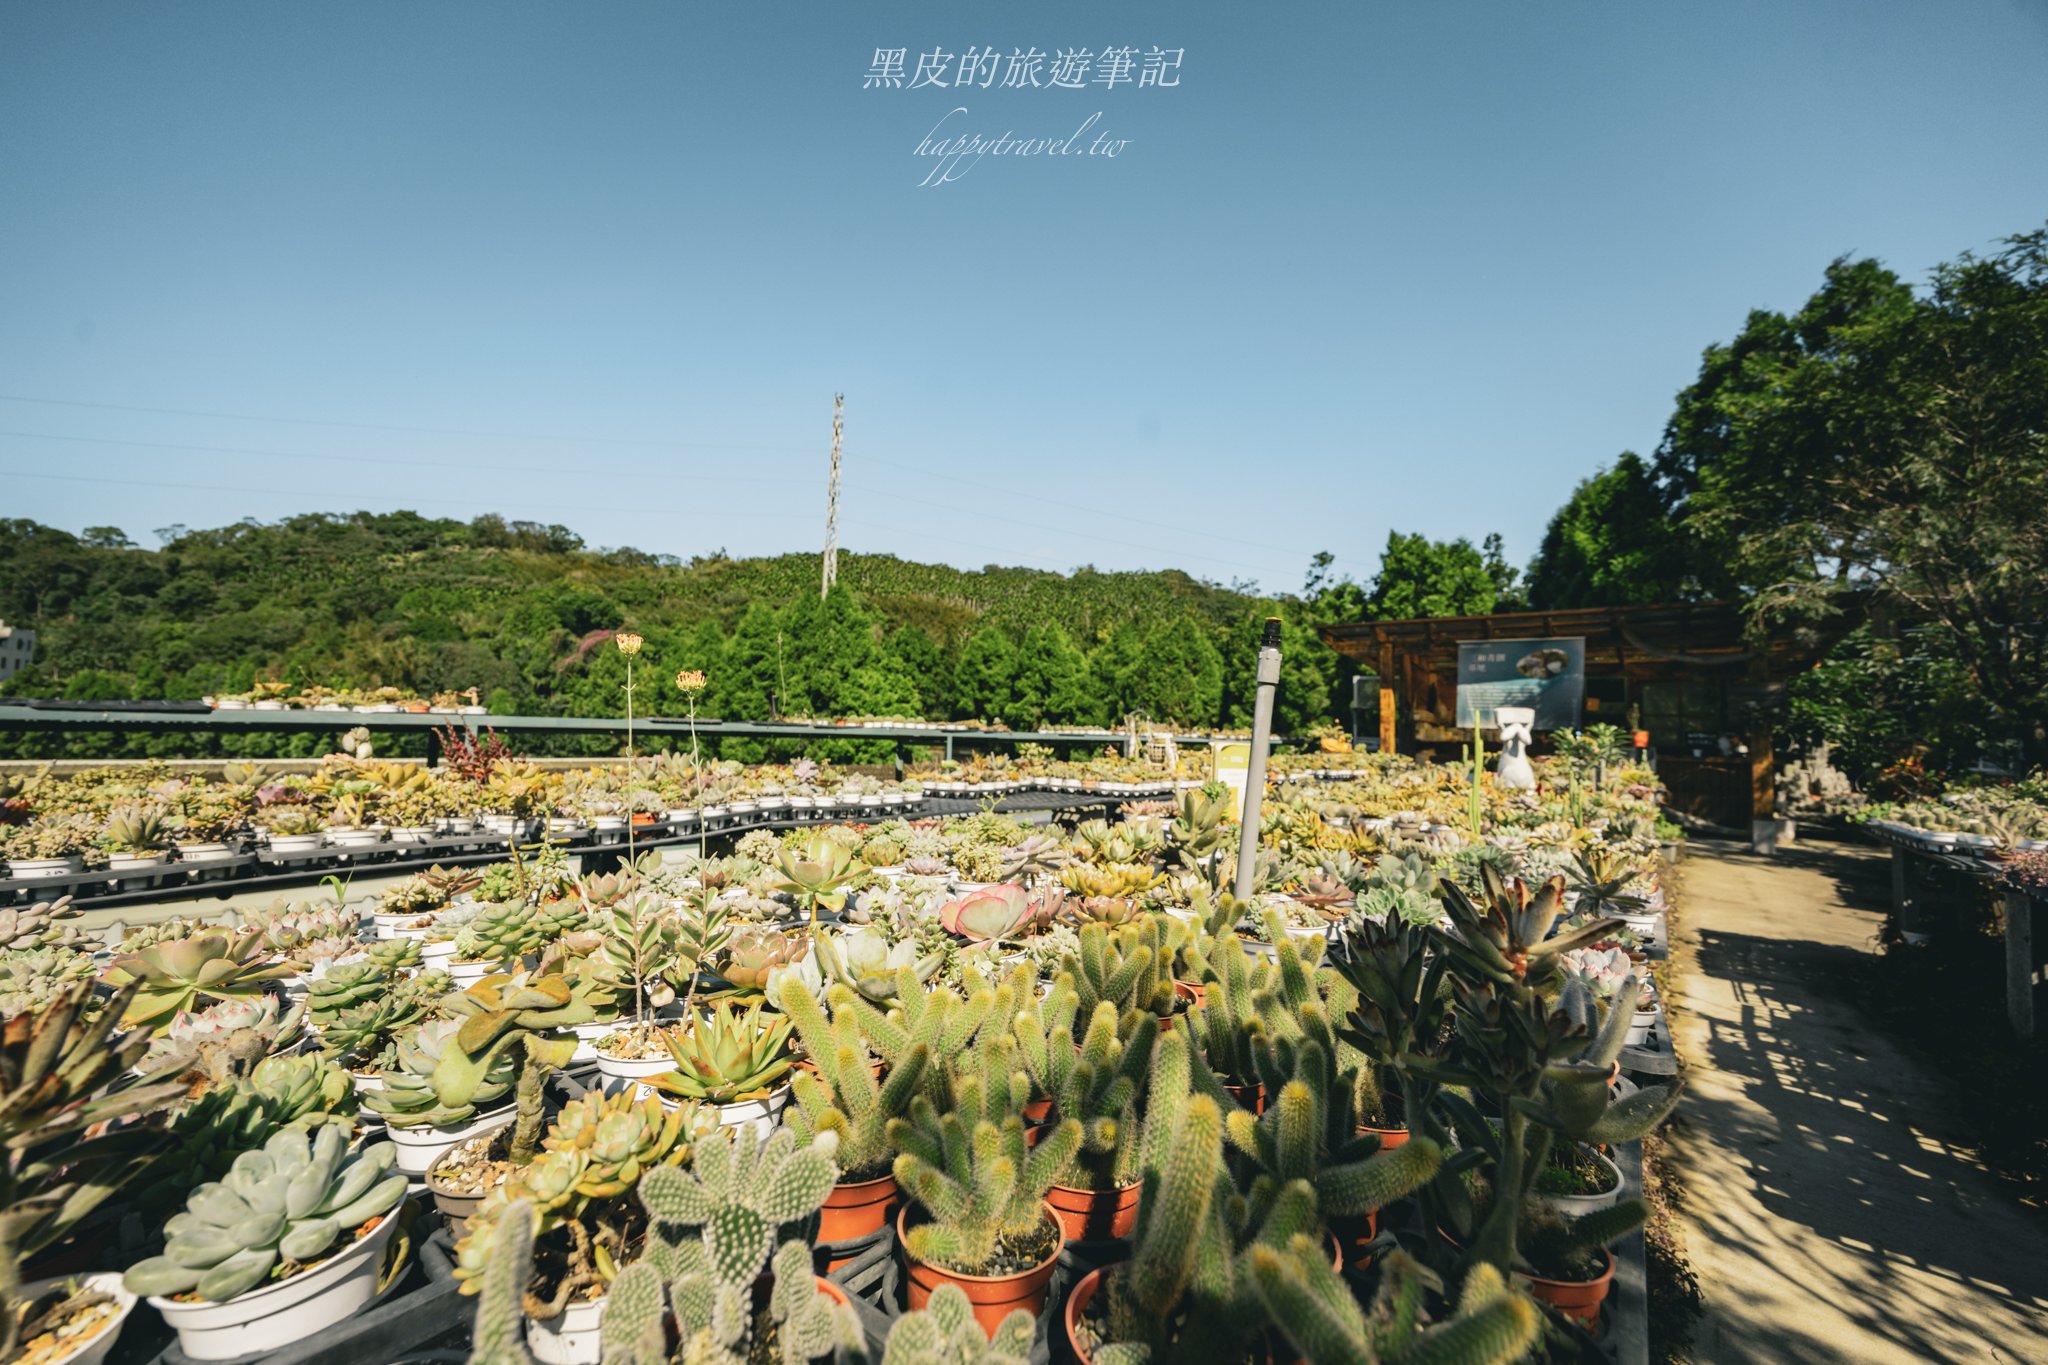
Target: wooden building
x=1689 y=674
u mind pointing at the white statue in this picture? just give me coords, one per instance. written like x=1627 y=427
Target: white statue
x=1516 y=725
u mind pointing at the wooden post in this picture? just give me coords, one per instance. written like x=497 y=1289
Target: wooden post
x=2019 y=963
x=1387 y=740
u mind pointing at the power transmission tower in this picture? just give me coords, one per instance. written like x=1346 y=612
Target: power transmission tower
x=832 y=500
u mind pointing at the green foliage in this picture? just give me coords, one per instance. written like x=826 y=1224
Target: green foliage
x=1422 y=577
x=1613 y=543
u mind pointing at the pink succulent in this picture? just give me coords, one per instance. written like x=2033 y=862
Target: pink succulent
x=992 y=912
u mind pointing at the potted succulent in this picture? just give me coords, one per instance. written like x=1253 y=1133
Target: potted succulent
x=47 y=847
x=181 y=975
x=731 y=1062
x=428 y=1107
x=292 y=827
x=251 y=1265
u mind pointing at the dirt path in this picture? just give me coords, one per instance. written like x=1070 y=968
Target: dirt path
x=1829 y=1216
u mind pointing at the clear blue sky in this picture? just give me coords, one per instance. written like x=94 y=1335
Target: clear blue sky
x=1419 y=266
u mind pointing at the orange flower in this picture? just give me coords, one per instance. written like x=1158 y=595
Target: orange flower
x=628 y=642
x=691 y=680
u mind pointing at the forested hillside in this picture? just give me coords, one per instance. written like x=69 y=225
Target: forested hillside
x=519 y=611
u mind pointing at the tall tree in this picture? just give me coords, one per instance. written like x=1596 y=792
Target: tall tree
x=1890 y=440
x=1423 y=577
x=983 y=682
x=1614 y=543
x=1182 y=678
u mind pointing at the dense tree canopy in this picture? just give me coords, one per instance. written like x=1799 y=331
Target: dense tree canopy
x=1612 y=544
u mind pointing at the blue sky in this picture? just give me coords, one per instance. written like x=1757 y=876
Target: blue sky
x=1367 y=267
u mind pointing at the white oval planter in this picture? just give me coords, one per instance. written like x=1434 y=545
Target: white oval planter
x=397 y=926
x=608 y=824
x=135 y=862
x=96 y=1347
x=419 y=1143
x=296 y=843
x=571 y=1337
x=203 y=852
x=355 y=838
x=758 y=1115
x=1578 y=1205
x=617 y=1074
x=44 y=867
x=277 y=1315
x=1640 y=1026
x=467 y=974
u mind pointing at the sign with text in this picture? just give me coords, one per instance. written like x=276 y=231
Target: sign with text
x=1548 y=676
x=1233 y=758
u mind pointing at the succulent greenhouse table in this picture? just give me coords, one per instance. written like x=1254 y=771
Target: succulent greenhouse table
x=1913 y=849
x=219 y=878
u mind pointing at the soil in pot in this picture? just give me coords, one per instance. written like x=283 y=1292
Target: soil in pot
x=1095 y=1215
x=72 y=1321
x=1015 y=1278
x=634 y=1043
x=1086 y=1318
x=461 y=1176
x=1575 y=1285
x=1577 y=1172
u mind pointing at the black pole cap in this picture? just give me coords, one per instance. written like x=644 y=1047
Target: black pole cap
x=1271 y=639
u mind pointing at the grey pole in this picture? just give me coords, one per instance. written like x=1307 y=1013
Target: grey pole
x=1255 y=772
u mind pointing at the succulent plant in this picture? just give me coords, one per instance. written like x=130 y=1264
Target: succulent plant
x=525 y=1017
x=817 y=878
x=712 y=1233
x=866 y=960
x=946 y=1332
x=1508 y=938
x=501 y=933
x=755 y=951
x=303 y=935
x=409 y=1095
x=1036 y=857
x=282 y=1206
x=1111 y=880
x=417 y=895
x=991 y=913
x=925 y=865
x=1312 y=1306
x=175 y=977
x=358 y=1035
x=42 y=925
x=726 y=1057
x=620 y=1138
x=881 y=851
x=31 y=978
x=137 y=829
x=981 y=1184
x=60 y=1078
x=395 y=955
x=344 y=986
x=843 y=1097
x=229 y=1035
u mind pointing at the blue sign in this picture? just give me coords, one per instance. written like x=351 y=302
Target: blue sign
x=1548 y=676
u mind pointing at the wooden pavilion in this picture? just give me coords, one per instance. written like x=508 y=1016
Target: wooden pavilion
x=1689 y=674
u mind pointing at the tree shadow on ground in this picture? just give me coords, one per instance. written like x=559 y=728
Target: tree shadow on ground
x=1857 y=1144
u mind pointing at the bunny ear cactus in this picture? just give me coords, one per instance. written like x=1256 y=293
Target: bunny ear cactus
x=179 y=975
x=945 y=1332
x=286 y=1204
x=1313 y=1307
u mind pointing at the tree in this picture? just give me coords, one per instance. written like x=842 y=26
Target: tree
x=1053 y=685
x=1423 y=577
x=982 y=684
x=1884 y=440
x=1613 y=543
x=929 y=666
x=1308 y=676
x=1181 y=681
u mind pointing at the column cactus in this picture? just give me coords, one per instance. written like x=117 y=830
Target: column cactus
x=979 y=1182
x=1314 y=1309
x=843 y=1097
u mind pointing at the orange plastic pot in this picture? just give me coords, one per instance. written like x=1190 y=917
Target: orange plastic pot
x=993 y=1297
x=1390 y=1138
x=832 y=1291
x=859 y=1209
x=1078 y=1299
x=1579 y=1299
x=1038 y=1111
x=1251 y=1097
x=1196 y=992
x=1094 y=1215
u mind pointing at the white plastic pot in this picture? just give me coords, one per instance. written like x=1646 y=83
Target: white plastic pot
x=95 y=1348
x=467 y=974
x=263 y=1320
x=44 y=867
x=1578 y=1205
x=135 y=862
x=419 y=1143
x=758 y=1115
x=296 y=843
x=204 y=852
x=616 y=1074
x=571 y=1337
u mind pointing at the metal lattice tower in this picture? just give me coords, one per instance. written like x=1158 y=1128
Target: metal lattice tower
x=832 y=500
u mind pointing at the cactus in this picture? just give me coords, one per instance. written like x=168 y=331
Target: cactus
x=1101 y=1084
x=939 y=1020
x=723 y=1057
x=175 y=976
x=499 y=1335
x=59 y=1072
x=284 y=1205
x=945 y=1332
x=979 y=1183
x=1313 y=1307
x=1130 y=968
x=734 y=1200
x=844 y=1098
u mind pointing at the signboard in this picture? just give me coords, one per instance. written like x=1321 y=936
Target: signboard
x=1548 y=676
x=1233 y=758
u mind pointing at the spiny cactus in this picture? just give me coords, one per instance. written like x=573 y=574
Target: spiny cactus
x=1101 y=1084
x=288 y=1203
x=844 y=1098
x=980 y=1183
x=499 y=1334
x=1130 y=968
x=945 y=1332
x=179 y=975
x=1312 y=1306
